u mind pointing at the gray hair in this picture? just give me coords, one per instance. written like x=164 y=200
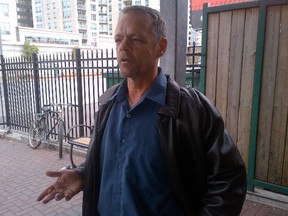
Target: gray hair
x=158 y=23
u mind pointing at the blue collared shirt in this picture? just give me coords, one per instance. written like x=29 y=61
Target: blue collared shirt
x=133 y=173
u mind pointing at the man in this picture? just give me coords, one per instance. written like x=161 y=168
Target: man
x=157 y=148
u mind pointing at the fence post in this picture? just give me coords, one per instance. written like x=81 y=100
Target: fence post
x=79 y=89
x=5 y=88
x=36 y=82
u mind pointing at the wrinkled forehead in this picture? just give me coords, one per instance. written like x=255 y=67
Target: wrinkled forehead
x=134 y=20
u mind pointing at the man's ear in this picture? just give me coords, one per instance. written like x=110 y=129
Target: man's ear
x=162 y=46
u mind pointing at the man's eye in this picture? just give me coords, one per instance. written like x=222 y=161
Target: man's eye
x=117 y=41
x=137 y=39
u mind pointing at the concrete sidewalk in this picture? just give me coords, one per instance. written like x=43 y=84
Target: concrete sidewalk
x=23 y=178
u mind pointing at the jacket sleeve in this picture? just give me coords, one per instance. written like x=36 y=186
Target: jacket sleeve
x=226 y=176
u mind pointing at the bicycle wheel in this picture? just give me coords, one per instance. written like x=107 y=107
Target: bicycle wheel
x=37 y=133
x=61 y=133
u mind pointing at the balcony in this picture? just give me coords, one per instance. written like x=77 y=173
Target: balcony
x=81 y=6
x=82 y=17
x=102 y=2
x=128 y=2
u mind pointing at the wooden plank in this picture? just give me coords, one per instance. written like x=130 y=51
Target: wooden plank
x=284 y=32
x=280 y=111
x=285 y=165
x=235 y=69
x=248 y=68
x=223 y=62
x=267 y=92
x=212 y=47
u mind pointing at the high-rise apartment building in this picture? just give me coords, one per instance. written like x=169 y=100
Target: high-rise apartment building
x=91 y=18
x=11 y=9
x=24 y=13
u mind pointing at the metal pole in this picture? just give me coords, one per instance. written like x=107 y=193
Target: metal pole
x=174 y=61
x=79 y=91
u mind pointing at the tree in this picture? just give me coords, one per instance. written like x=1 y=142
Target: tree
x=28 y=49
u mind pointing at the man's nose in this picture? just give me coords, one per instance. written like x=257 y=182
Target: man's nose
x=124 y=45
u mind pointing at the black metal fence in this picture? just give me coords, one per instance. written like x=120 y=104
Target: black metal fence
x=77 y=78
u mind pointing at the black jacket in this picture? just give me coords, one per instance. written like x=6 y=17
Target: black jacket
x=207 y=174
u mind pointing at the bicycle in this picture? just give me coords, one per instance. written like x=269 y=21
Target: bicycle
x=39 y=130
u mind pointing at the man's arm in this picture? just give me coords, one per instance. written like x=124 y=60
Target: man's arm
x=227 y=179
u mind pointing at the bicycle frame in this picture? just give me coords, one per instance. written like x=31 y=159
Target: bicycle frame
x=41 y=128
x=44 y=115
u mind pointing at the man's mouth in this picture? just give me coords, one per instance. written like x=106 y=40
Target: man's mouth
x=125 y=60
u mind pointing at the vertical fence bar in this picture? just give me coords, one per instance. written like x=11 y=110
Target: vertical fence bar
x=36 y=82
x=5 y=89
x=202 y=85
x=80 y=90
x=256 y=93
x=193 y=63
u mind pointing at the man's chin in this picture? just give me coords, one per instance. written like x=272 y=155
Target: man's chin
x=125 y=73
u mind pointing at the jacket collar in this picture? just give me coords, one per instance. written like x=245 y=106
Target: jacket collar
x=171 y=106
x=172 y=102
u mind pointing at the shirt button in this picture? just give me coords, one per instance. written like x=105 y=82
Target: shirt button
x=123 y=141
x=115 y=191
x=119 y=166
x=128 y=115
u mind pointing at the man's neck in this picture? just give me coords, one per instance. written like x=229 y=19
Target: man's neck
x=138 y=87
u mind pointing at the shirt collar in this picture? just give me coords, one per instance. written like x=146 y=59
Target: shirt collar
x=156 y=92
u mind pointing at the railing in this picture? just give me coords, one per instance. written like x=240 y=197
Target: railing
x=78 y=78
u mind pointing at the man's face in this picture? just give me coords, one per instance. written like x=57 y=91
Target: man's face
x=137 y=50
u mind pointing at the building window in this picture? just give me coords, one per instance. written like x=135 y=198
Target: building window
x=103 y=10
x=146 y=2
x=54 y=5
x=103 y=19
x=93 y=26
x=5 y=28
x=103 y=28
x=4 y=10
x=38 y=9
x=137 y=2
x=93 y=17
x=93 y=7
x=94 y=34
x=66 y=3
x=48 y=6
x=67 y=26
x=39 y=18
x=67 y=14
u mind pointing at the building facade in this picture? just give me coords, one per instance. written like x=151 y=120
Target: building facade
x=8 y=12
x=91 y=18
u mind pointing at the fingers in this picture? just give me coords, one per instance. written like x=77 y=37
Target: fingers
x=59 y=196
x=47 y=195
x=52 y=193
x=68 y=197
x=53 y=173
x=62 y=188
x=44 y=193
